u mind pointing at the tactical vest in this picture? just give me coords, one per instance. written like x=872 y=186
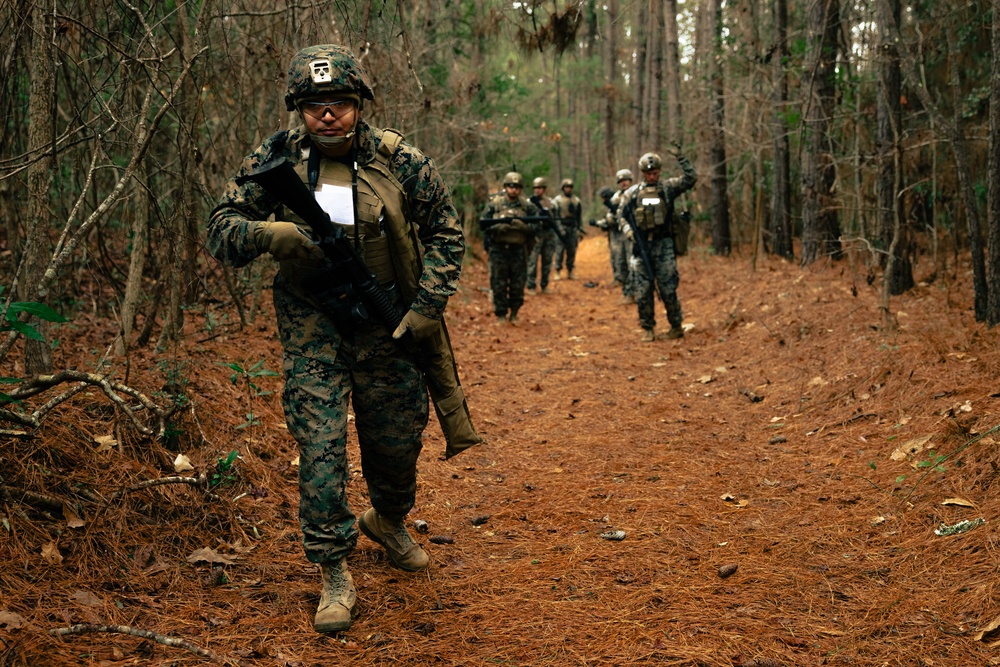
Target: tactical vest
x=385 y=238
x=651 y=209
x=505 y=208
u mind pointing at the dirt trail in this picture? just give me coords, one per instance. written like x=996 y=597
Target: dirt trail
x=761 y=440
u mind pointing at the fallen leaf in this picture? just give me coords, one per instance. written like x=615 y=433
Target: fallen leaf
x=817 y=382
x=295 y=462
x=705 y=379
x=87 y=598
x=961 y=502
x=72 y=520
x=206 y=555
x=182 y=464
x=50 y=552
x=105 y=443
x=910 y=447
x=11 y=621
x=989 y=634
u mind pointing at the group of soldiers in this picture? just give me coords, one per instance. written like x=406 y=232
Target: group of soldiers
x=522 y=231
x=524 y=236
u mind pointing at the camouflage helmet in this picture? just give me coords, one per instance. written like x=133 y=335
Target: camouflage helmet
x=539 y=182
x=650 y=161
x=623 y=175
x=513 y=178
x=325 y=68
x=565 y=182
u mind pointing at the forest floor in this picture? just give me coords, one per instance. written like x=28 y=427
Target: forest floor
x=789 y=436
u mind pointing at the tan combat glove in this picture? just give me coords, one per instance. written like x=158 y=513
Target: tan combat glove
x=285 y=240
x=420 y=325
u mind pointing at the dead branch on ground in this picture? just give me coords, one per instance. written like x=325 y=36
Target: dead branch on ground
x=82 y=628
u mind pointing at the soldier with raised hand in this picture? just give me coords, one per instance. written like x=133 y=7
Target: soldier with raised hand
x=646 y=217
x=569 y=215
x=390 y=201
x=510 y=237
x=545 y=241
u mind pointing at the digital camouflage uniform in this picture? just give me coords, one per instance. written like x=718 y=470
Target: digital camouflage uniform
x=327 y=364
x=509 y=247
x=619 y=247
x=569 y=212
x=659 y=243
x=544 y=249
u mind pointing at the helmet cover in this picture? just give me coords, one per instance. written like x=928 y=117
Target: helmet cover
x=323 y=69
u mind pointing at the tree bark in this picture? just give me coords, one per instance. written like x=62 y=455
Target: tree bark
x=672 y=74
x=993 y=301
x=611 y=84
x=781 y=209
x=721 y=239
x=820 y=224
x=893 y=229
x=37 y=249
x=639 y=81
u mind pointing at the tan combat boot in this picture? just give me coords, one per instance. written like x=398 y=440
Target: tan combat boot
x=336 y=603
x=648 y=336
x=400 y=547
x=675 y=332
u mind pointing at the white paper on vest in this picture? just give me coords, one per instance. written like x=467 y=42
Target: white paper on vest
x=337 y=201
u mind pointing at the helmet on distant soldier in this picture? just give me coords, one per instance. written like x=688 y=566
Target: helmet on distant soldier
x=325 y=69
x=606 y=192
x=513 y=178
x=650 y=161
x=539 y=182
x=565 y=182
x=623 y=175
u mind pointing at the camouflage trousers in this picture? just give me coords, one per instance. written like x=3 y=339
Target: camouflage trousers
x=508 y=273
x=545 y=246
x=661 y=252
x=324 y=369
x=621 y=249
x=566 y=252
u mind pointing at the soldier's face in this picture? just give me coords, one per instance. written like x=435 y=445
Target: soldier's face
x=651 y=176
x=539 y=191
x=625 y=183
x=512 y=190
x=331 y=118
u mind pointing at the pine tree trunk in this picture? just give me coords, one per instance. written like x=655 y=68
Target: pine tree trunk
x=611 y=81
x=672 y=73
x=993 y=312
x=721 y=239
x=894 y=232
x=37 y=248
x=820 y=225
x=781 y=209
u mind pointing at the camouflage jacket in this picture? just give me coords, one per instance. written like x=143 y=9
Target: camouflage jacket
x=231 y=225
x=672 y=188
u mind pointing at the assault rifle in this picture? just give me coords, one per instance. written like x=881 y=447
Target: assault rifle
x=433 y=354
x=279 y=179
x=639 y=239
x=487 y=223
x=551 y=222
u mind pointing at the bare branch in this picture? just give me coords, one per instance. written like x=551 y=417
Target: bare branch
x=83 y=628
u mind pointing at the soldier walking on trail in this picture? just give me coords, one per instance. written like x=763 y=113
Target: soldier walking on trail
x=646 y=217
x=569 y=213
x=386 y=197
x=509 y=238
x=618 y=244
x=545 y=241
